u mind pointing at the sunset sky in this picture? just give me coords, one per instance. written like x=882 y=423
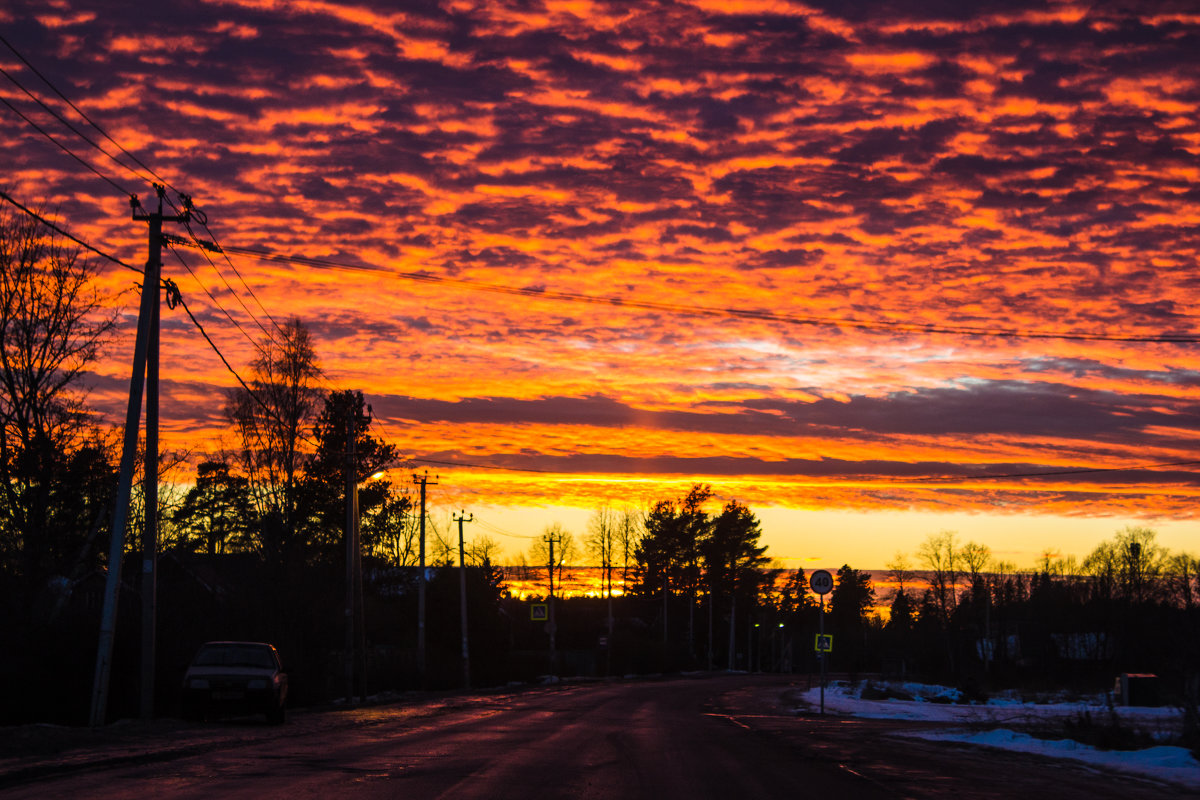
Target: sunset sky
x=855 y=264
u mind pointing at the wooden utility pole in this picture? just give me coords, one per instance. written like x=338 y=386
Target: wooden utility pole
x=422 y=480
x=462 y=594
x=150 y=527
x=551 y=626
x=351 y=535
x=144 y=374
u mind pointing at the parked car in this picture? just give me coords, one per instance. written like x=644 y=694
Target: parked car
x=228 y=678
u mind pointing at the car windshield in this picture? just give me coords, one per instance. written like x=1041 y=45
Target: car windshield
x=235 y=655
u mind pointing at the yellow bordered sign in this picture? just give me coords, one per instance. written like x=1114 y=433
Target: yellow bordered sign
x=823 y=643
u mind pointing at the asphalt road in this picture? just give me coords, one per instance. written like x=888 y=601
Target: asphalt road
x=728 y=737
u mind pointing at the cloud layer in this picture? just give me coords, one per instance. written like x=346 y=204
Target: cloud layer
x=1020 y=169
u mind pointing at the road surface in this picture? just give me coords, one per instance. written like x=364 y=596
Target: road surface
x=729 y=737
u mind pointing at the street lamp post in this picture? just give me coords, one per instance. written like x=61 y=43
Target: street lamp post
x=462 y=594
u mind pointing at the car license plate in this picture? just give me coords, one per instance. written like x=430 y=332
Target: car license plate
x=228 y=695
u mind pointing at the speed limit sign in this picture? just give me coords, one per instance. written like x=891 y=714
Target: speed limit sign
x=821 y=582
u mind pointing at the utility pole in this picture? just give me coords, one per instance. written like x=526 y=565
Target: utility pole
x=150 y=526
x=551 y=626
x=462 y=595
x=608 y=568
x=145 y=350
x=351 y=534
x=731 y=663
x=422 y=480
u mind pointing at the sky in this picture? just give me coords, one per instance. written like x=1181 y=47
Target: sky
x=873 y=269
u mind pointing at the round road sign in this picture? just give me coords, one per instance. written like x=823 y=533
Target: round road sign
x=821 y=581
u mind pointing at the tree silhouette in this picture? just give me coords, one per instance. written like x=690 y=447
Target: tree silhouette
x=270 y=418
x=54 y=464
x=851 y=601
x=321 y=490
x=669 y=553
x=216 y=513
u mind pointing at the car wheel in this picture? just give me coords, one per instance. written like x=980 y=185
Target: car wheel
x=276 y=715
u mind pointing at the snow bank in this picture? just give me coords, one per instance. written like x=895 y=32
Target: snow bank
x=939 y=704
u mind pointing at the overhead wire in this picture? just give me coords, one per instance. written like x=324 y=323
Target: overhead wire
x=213 y=298
x=201 y=218
x=71 y=127
x=1048 y=473
x=173 y=291
x=233 y=292
x=498 y=530
x=52 y=226
x=229 y=261
x=66 y=149
x=80 y=112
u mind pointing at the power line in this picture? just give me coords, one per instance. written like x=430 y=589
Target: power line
x=1049 y=474
x=480 y=466
x=213 y=298
x=250 y=392
x=111 y=182
x=175 y=297
x=8 y=198
x=710 y=311
x=204 y=250
x=71 y=127
x=208 y=230
x=66 y=149
x=500 y=531
x=199 y=215
x=79 y=111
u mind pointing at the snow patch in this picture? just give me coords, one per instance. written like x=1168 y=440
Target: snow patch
x=939 y=704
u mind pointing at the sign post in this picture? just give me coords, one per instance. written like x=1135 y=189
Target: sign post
x=821 y=582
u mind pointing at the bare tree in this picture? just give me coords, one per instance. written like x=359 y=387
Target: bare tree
x=52 y=326
x=1130 y=564
x=441 y=541
x=601 y=542
x=901 y=570
x=629 y=532
x=939 y=552
x=1180 y=577
x=399 y=528
x=974 y=557
x=270 y=419
x=564 y=552
x=482 y=551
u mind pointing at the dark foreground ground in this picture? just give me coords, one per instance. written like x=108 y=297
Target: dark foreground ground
x=728 y=736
